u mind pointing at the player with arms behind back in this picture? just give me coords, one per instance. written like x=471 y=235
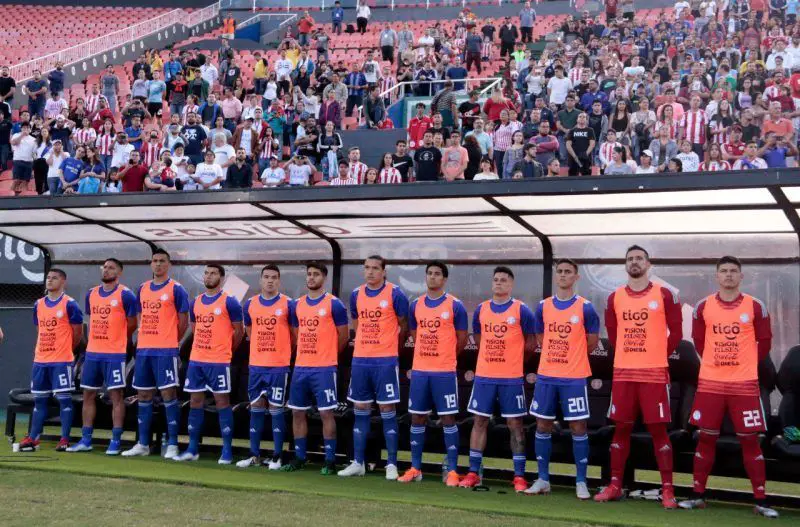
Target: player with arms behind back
x=439 y=324
x=504 y=329
x=379 y=310
x=163 y=319
x=59 y=324
x=321 y=332
x=216 y=321
x=112 y=310
x=643 y=320
x=567 y=327
x=266 y=321
x=732 y=333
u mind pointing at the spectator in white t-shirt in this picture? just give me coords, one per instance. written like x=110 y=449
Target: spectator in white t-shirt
x=224 y=154
x=208 y=174
x=121 y=151
x=299 y=171
x=273 y=175
x=559 y=86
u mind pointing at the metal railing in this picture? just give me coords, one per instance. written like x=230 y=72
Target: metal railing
x=84 y=50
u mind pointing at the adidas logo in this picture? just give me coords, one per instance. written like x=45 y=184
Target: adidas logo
x=139 y=421
x=356 y=430
x=277 y=430
x=760 y=487
x=226 y=430
x=327 y=447
x=414 y=443
x=615 y=445
x=695 y=482
x=698 y=455
x=584 y=460
x=665 y=448
x=451 y=447
x=252 y=430
x=173 y=423
x=391 y=432
x=190 y=427
x=538 y=458
x=760 y=457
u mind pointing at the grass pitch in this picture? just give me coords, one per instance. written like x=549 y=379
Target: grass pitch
x=47 y=488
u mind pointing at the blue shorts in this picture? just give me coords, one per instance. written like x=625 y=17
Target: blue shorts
x=509 y=396
x=202 y=376
x=573 y=397
x=153 y=372
x=433 y=390
x=312 y=385
x=52 y=377
x=99 y=372
x=269 y=383
x=379 y=382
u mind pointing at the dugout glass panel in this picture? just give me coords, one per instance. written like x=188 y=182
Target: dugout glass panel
x=97 y=252
x=172 y=212
x=10 y=217
x=442 y=248
x=384 y=207
x=49 y=234
x=249 y=251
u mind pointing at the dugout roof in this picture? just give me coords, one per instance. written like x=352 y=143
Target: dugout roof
x=686 y=215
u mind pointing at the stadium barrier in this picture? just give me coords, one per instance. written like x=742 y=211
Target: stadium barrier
x=686 y=220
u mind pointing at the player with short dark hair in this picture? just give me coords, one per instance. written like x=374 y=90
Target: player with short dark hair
x=321 y=332
x=267 y=321
x=163 y=306
x=112 y=310
x=643 y=320
x=567 y=329
x=504 y=330
x=216 y=323
x=379 y=310
x=438 y=323
x=731 y=332
x=59 y=324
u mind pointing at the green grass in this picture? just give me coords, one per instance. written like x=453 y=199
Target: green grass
x=303 y=498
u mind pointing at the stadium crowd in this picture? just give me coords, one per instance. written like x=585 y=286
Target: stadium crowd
x=706 y=86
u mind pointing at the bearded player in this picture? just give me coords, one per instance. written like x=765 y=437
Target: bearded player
x=59 y=324
x=732 y=334
x=438 y=323
x=643 y=320
x=567 y=327
x=216 y=322
x=112 y=310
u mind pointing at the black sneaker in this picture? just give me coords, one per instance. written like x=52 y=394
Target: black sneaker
x=294 y=465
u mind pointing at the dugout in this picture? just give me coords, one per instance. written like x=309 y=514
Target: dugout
x=686 y=221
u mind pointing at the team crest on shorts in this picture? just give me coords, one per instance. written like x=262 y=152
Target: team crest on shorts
x=59 y=314
x=511 y=320
x=384 y=304
x=535 y=405
x=744 y=317
x=574 y=319
x=696 y=415
x=474 y=403
x=164 y=297
x=322 y=312
x=445 y=315
x=217 y=311
x=114 y=303
x=653 y=305
x=278 y=312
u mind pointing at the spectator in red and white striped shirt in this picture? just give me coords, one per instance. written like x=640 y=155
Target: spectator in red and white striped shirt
x=84 y=136
x=714 y=161
x=355 y=168
x=268 y=148
x=501 y=138
x=389 y=174
x=372 y=177
x=344 y=176
x=191 y=107
x=607 y=148
x=151 y=149
x=105 y=143
x=692 y=126
x=93 y=99
x=387 y=82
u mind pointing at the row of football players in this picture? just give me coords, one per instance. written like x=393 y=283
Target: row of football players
x=731 y=331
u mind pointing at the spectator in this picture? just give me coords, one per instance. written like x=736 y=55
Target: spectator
x=690 y=161
x=304 y=28
x=546 y=144
x=444 y=103
x=363 y=14
x=388 y=173
x=268 y=147
x=508 y=37
x=273 y=175
x=24 y=151
x=487 y=172
x=8 y=87
x=485 y=141
x=330 y=111
x=372 y=177
x=527 y=17
x=580 y=142
x=474 y=46
x=427 y=159
x=554 y=168
x=156 y=94
x=344 y=177
x=513 y=155
x=54 y=159
x=194 y=139
x=132 y=173
x=455 y=159
x=530 y=165
x=151 y=149
x=208 y=174
x=646 y=163
x=93 y=175
x=474 y=157
x=502 y=139
x=355 y=168
x=110 y=88
x=775 y=150
x=56 y=79
x=405 y=41
x=37 y=90
x=337 y=17
x=240 y=173
x=224 y=154
x=714 y=161
x=39 y=166
x=403 y=162
x=374 y=110
x=178 y=88
x=663 y=148
x=606 y=152
x=617 y=165
x=300 y=171
x=231 y=109
x=356 y=82
x=388 y=41
x=417 y=126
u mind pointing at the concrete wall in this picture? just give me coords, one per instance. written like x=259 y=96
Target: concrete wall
x=372 y=143
x=16 y=351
